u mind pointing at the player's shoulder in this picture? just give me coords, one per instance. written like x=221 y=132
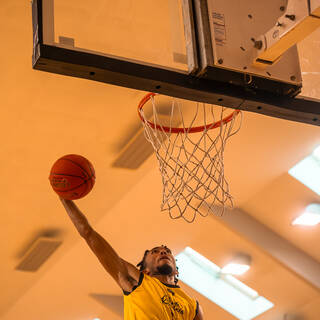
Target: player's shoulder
x=138 y=284
x=199 y=312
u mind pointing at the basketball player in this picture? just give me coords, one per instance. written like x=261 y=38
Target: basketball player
x=150 y=293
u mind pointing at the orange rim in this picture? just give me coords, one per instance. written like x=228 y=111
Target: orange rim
x=210 y=126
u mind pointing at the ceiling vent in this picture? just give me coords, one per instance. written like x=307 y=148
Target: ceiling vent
x=138 y=149
x=38 y=253
x=293 y=316
x=135 y=153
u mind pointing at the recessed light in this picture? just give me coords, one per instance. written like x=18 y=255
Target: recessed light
x=239 y=265
x=235 y=268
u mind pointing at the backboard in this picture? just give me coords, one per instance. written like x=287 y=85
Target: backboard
x=150 y=33
x=191 y=49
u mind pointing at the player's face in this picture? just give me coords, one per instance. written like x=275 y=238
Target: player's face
x=161 y=260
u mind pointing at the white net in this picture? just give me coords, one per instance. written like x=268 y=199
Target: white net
x=191 y=163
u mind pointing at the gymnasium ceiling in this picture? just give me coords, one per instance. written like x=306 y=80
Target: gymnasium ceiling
x=46 y=116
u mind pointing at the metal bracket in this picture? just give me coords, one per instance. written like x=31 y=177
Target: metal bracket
x=296 y=23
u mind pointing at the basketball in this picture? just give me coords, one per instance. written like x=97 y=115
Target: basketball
x=72 y=177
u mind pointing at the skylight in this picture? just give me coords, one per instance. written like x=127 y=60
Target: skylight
x=310 y=217
x=307 y=171
x=224 y=290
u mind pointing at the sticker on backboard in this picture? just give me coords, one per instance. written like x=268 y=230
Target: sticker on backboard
x=219 y=28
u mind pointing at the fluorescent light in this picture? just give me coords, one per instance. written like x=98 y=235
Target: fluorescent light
x=307 y=171
x=310 y=217
x=235 y=268
x=224 y=290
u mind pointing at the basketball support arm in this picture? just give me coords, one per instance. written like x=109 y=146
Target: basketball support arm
x=300 y=18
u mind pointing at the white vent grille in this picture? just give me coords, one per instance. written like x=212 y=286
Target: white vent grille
x=138 y=149
x=135 y=153
x=292 y=316
x=38 y=253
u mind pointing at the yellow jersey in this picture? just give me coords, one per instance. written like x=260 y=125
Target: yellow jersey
x=153 y=300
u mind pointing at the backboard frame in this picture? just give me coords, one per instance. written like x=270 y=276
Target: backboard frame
x=214 y=65
x=167 y=82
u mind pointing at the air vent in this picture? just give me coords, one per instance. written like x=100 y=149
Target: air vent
x=138 y=149
x=293 y=316
x=38 y=253
x=135 y=153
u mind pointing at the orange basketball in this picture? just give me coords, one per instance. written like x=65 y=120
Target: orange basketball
x=72 y=177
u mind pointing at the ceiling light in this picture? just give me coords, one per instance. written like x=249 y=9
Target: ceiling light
x=235 y=268
x=310 y=217
x=239 y=265
x=307 y=171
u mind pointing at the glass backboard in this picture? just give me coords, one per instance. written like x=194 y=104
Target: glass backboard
x=158 y=46
x=149 y=32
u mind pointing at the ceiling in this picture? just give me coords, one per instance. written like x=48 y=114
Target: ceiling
x=46 y=116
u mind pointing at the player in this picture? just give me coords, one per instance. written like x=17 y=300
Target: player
x=150 y=292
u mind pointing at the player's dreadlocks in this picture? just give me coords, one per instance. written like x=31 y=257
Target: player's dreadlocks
x=142 y=264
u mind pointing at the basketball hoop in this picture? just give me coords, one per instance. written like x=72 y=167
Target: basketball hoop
x=189 y=139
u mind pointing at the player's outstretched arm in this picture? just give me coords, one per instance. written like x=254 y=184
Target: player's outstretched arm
x=124 y=273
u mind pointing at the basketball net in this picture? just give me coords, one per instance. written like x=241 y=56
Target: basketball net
x=190 y=156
